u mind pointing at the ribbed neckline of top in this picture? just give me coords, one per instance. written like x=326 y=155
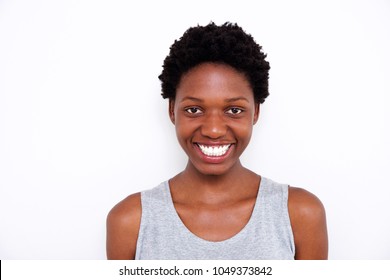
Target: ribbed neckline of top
x=200 y=240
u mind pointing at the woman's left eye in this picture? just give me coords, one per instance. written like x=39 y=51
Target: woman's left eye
x=234 y=111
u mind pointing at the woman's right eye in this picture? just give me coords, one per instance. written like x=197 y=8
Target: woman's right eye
x=193 y=111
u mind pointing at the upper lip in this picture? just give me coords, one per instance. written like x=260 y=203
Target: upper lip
x=213 y=144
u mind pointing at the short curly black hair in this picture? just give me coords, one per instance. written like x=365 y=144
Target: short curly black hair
x=227 y=44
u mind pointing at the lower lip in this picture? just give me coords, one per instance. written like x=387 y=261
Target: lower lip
x=210 y=159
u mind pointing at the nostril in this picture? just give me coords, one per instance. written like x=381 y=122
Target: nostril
x=213 y=132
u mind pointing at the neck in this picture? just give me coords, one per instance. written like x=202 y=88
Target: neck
x=199 y=184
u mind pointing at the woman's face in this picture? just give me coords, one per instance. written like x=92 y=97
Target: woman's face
x=214 y=112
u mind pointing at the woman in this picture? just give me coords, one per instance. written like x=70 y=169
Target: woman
x=215 y=78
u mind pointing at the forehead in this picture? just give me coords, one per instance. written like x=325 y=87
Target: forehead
x=214 y=80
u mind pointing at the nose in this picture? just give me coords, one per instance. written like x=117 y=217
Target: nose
x=214 y=126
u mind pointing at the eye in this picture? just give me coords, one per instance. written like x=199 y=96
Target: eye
x=193 y=110
x=234 y=111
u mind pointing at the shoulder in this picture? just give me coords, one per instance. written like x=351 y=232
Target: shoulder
x=304 y=203
x=123 y=223
x=126 y=212
x=308 y=221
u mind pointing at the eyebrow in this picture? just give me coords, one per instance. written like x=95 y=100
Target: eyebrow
x=191 y=98
x=229 y=100
x=236 y=99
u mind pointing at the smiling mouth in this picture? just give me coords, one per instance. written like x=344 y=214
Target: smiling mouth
x=214 y=151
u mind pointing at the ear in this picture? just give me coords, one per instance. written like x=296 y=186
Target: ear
x=257 y=113
x=172 y=110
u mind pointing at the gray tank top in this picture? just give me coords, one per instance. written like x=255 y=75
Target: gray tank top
x=267 y=235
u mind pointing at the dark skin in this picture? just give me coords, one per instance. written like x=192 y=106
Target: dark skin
x=215 y=196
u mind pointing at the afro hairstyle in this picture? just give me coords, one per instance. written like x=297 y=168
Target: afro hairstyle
x=226 y=44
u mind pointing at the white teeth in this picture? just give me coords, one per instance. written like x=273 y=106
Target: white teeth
x=214 y=151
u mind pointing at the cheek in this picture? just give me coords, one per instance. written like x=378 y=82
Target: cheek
x=185 y=125
x=183 y=130
x=242 y=129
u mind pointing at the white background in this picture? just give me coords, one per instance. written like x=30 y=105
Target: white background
x=82 y=123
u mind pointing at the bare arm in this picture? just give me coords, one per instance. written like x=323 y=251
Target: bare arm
x=123 y=224
x=308 y=220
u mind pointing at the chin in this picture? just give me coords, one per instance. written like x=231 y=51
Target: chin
x=213 y=170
